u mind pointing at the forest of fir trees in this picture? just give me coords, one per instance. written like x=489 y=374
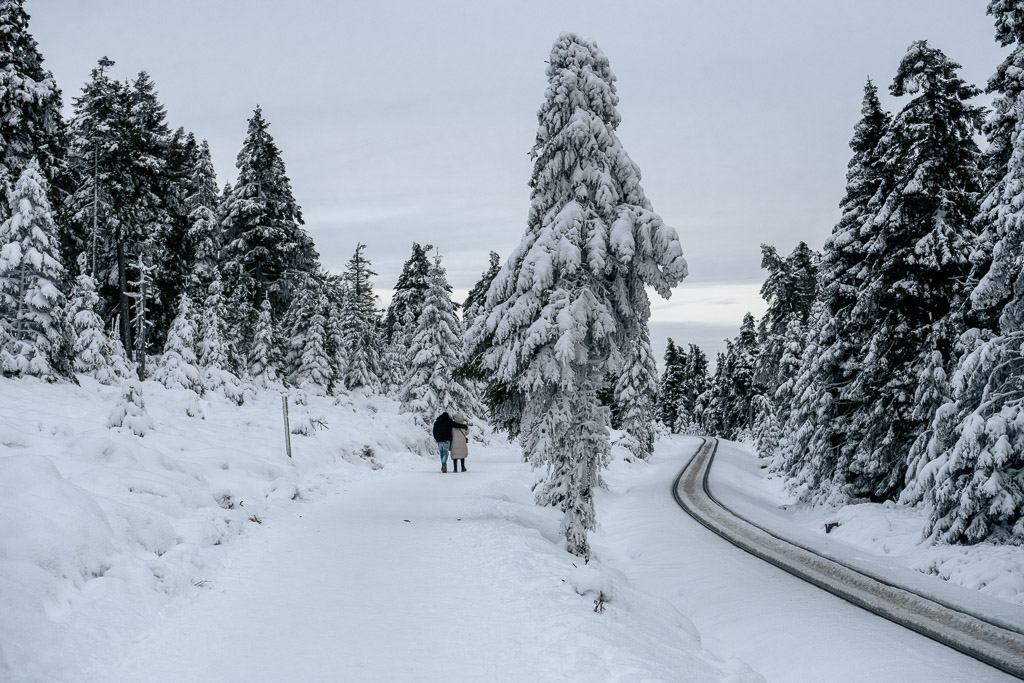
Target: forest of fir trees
x=123 y=260
x=890 y=366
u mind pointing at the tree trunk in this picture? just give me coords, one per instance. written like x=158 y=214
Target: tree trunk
x=122 y=285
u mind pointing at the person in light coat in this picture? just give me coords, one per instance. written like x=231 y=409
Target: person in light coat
x=460 y=442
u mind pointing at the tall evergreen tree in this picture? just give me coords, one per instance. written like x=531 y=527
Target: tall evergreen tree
x=100 y=179
x=204 y=231
x=695 y=383
x=789 y=289
x=969 y=472
x=34 y=335
x=361 y=326
x=817 y=420
x=910 y=288
x=410 y=292
x=571 y=298
x=670 y=394
x=434 y=352
x=267 y=250
x=30 y=109
x=920 y=266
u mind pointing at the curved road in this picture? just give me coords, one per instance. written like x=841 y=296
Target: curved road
x=994 y=642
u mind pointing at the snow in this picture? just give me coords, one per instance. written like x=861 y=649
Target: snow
x=884 y=537
x=202 y=552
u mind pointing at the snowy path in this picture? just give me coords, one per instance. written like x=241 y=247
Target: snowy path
x=472 y=588
x=469 y=588
x=784 y=628
x=351 y=590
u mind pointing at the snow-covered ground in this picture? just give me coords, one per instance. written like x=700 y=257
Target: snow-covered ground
x=201 y=552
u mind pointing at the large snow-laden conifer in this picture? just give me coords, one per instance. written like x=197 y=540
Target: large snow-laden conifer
x=917 y=270
x=434 y=352
x=31 y=303
x=818 y=416
x=570 y=299
x=30 y=105
x=971 y=472
x=179 y=365
x=267 y=250
x=204 y=231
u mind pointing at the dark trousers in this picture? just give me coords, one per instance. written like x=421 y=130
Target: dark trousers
x=455 y=464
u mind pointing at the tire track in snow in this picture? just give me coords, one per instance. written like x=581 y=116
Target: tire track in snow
x=1000 y=645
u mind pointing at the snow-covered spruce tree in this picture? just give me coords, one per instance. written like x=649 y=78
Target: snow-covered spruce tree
x=31 y=303
x=789 y=289
x=130 y=412
x=918 y=268
x=30 y=103
x=734 y=387
x=96 y=170
x=714 y=399
x=695 y=383
x=434 y=352
x=969 y=472
x=156 y=214
x=819 y=414
x=179 y=365
x=670 y=394
x=92 y=350
x=265 y=356
x=361 y=325
x=266 y=247
x=407 y=302
x=635 y=392
x=570 y=300
x=204 y=232
x=213 y=352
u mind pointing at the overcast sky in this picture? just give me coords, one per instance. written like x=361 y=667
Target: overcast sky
x=412 y=121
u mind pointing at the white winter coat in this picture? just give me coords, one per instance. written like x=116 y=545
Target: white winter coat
x=460 y=438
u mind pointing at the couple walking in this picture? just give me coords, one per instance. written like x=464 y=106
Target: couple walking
x=452 y=437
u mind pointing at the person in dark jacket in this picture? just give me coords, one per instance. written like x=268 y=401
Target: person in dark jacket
x=443 y=436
